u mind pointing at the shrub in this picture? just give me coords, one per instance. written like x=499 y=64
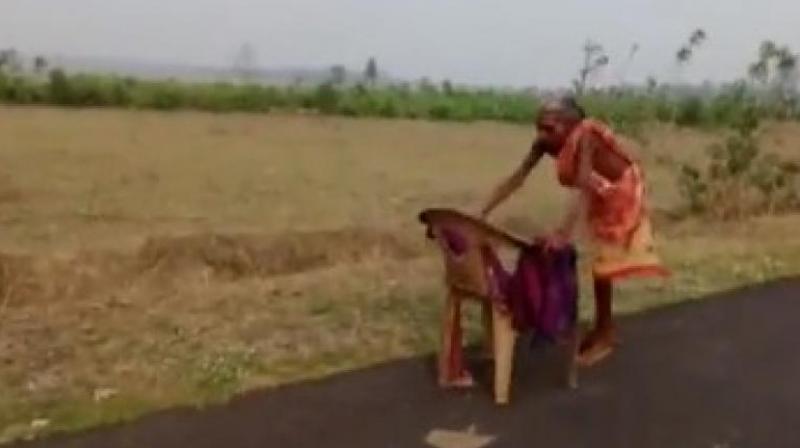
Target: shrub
x=739 y=179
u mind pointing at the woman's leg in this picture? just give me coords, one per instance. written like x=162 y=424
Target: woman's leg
x=603 y=296
x=599 y=343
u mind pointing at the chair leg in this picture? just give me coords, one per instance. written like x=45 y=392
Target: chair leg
x=571 y=352
x=488 y=331
x=504 y=338
x=451 y=359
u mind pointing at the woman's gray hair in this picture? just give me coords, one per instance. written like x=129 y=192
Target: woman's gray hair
x=565 y=106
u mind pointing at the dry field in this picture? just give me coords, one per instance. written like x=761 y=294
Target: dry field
x=154 y=259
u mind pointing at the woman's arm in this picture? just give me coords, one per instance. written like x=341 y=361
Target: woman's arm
x=513 y=182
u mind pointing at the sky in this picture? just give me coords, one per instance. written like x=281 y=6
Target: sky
x=486 y=42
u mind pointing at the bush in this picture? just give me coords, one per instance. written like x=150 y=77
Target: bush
x=739 y=180
x=21 y=90
x=325 y=99
x=690 y=112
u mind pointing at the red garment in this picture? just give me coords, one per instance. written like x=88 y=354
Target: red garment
x=615 y=208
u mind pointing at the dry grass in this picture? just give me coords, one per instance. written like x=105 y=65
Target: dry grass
x=179 y=258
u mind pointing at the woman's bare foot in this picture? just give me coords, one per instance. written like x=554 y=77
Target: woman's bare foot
x=596 y=346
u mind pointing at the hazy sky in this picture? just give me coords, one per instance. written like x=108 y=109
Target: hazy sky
x=516 y=42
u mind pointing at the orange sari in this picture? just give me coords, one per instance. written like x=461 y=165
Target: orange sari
x=618 y=221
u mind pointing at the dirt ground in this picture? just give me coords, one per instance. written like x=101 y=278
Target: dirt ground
x=156 y=259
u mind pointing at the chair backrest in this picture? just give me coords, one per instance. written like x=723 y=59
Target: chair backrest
x=463 y=240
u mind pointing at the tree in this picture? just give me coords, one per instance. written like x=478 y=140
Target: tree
x=39 y=65
x=623 y=71
x=686 y=51
x=652 y=84
x=760 y=69
x=10 y=60
x=427 y=86
x=371 y=71
x=245 y=63
x=697 y=37
x=594 y=58
x=776 y=70
x=338 y=74
x=786 y=68
x=683 y=55
x=447 y=87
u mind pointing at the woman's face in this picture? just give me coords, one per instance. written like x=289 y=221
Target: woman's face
x=552 y=130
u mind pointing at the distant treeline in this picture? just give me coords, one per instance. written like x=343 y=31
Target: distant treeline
x=626 y=108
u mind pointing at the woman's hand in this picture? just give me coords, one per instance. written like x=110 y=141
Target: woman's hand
x=556 y=240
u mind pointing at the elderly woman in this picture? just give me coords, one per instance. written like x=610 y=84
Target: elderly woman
x=610 y=202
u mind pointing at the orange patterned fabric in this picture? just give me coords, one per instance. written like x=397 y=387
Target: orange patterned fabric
x=567 y=157
x=617 y=214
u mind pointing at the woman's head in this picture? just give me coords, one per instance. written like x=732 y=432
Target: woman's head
x=556 y=119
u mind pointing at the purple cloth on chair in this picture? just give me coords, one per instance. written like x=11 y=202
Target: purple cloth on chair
x=541 y=293
x=455 y=241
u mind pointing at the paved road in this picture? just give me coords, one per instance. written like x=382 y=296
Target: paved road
x=723 y=373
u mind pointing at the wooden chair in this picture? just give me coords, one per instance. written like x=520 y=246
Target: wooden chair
x=463 y=240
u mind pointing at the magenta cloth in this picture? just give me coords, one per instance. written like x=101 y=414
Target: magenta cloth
x=456 y=243
x=541 y=293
